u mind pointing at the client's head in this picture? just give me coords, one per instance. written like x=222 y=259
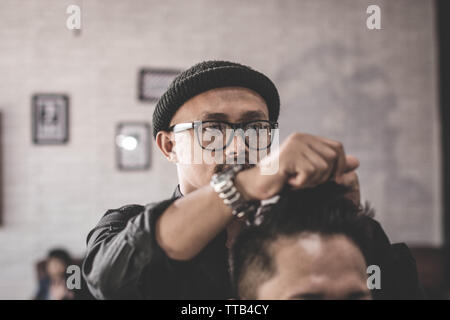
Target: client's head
x=311 y=244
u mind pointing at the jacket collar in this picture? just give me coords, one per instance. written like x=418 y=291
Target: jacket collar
x=177 y=193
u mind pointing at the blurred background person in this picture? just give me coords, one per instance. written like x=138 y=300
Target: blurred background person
x=52 y=284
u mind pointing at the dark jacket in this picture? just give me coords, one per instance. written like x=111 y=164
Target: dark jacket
x=124 y=261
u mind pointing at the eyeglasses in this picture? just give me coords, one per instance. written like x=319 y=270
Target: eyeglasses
x=217 y=135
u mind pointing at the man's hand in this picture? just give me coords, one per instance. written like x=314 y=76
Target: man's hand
x=350 y=180
x=305 y=161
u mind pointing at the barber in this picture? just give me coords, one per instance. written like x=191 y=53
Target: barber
x=178 y=248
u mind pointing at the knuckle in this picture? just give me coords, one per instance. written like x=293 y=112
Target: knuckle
x=303 y=174
x=296 y=137
x=332 y=155
x=309 y=169
x=323 y=166
x=352 y=175
x=339 y=145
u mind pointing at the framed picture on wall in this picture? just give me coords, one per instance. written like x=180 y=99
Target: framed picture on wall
x=133 y=142
x=50 y=118
x=154 y=82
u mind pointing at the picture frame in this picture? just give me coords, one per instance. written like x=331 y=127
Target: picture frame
x=133 y=146
x=154 y=82
x=50 y=118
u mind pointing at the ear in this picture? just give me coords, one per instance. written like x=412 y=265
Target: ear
x=165 y=143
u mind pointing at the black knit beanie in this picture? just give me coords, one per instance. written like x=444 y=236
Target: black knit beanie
x=209 y=75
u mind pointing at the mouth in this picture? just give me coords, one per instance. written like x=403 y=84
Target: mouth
x=222 y=167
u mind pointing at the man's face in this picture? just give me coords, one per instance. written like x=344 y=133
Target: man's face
x=231 y=104
x=56 y=268
x=312 y=266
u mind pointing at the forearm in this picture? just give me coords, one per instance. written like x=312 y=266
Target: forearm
x=191 y=222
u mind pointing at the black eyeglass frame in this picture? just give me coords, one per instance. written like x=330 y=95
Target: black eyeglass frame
x=179 y=127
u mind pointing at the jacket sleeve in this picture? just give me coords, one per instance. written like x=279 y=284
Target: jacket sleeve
x=119 y=248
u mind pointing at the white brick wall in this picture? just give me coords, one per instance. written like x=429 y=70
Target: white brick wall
x=53 y=195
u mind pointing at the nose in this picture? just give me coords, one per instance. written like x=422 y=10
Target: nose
x=237 y=147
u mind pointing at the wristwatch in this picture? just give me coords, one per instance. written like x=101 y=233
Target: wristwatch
x=223 y=184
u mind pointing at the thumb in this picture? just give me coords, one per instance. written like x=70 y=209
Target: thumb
x=351 y=163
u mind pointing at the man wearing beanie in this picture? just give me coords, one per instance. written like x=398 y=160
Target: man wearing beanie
x=178 y=248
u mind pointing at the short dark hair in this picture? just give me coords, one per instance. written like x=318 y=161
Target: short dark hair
x=60 y=254
x=323 y=209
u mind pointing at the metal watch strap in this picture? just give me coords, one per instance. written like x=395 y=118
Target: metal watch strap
x=223 y=184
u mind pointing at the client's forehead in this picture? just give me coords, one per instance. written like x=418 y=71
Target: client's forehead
x=309 y=261
x=316 y=250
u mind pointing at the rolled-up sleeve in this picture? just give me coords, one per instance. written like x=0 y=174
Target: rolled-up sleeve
x=118 y=250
